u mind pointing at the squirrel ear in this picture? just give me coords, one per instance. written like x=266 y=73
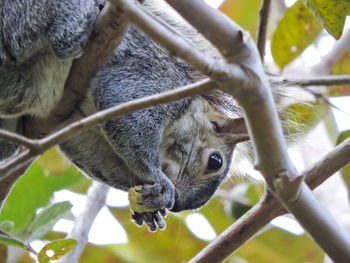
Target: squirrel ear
x=235 y=130
x=233 y=126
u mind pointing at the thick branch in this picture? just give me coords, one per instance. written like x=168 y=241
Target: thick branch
x=264 y=17
x=110 y=29
x=265 y=129
x=269 y=208
x=177 y=44
x=109 y=32
x=212 y=23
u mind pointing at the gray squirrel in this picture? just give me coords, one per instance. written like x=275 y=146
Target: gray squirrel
x=179 y=153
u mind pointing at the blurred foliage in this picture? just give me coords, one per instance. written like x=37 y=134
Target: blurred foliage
x=58 y=248
x=341 y=67
x=297 y=29
x=251 y=192
x=244 y=13
x=277 y=246
x=46 y=219
x=300 y=118
x=34 y=191
x=331 y=14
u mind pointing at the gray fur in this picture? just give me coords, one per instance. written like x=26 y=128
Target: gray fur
x=167 y=146
x=166 y=149
x=38 y=40
x=35 y=37
x=6 y=148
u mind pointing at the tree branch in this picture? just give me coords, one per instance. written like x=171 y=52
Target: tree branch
x=264 y=126
x=269 y=208
x=340 y=47
x=109 y=31
x=327 y=80
x=95 y=201
x=36 y=147
x=234 y=198
x=248 y=83
x=177 y=44
x=264 y=16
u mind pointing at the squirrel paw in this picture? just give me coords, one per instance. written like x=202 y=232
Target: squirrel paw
x=149 y=198
x=153 y=220
x=149 y=202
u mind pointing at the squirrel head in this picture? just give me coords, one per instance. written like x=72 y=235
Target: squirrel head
x=197 y=149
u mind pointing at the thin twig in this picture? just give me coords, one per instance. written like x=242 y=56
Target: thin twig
x=17 y=139
x=262 y=31
x=95 y=201
x=234 y=198
x=13 y=161
x=26 y=246
x=328 y=80
x=339 y=49
x=40 y=146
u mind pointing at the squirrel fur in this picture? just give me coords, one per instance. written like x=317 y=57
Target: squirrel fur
x=179 y=153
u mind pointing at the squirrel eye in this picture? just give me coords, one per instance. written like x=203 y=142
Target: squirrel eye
x=214 y=163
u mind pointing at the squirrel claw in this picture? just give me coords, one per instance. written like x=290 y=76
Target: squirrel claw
x=153 y=220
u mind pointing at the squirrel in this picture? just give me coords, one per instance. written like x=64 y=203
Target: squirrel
x=177 y=153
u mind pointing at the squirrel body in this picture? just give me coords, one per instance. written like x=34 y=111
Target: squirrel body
x=179 y=153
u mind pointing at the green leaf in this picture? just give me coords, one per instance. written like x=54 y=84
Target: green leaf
x=250 y=192
x=343 y=136
x=33 y=191
x=6 y=225
x=238 y=209
x=46 y=219
x=244 y=13
x=340 y=67
x=59 y=248
x=331 y=14
x=12 y=242
x=301 y=117
x=254 y=193
x=297 y=29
